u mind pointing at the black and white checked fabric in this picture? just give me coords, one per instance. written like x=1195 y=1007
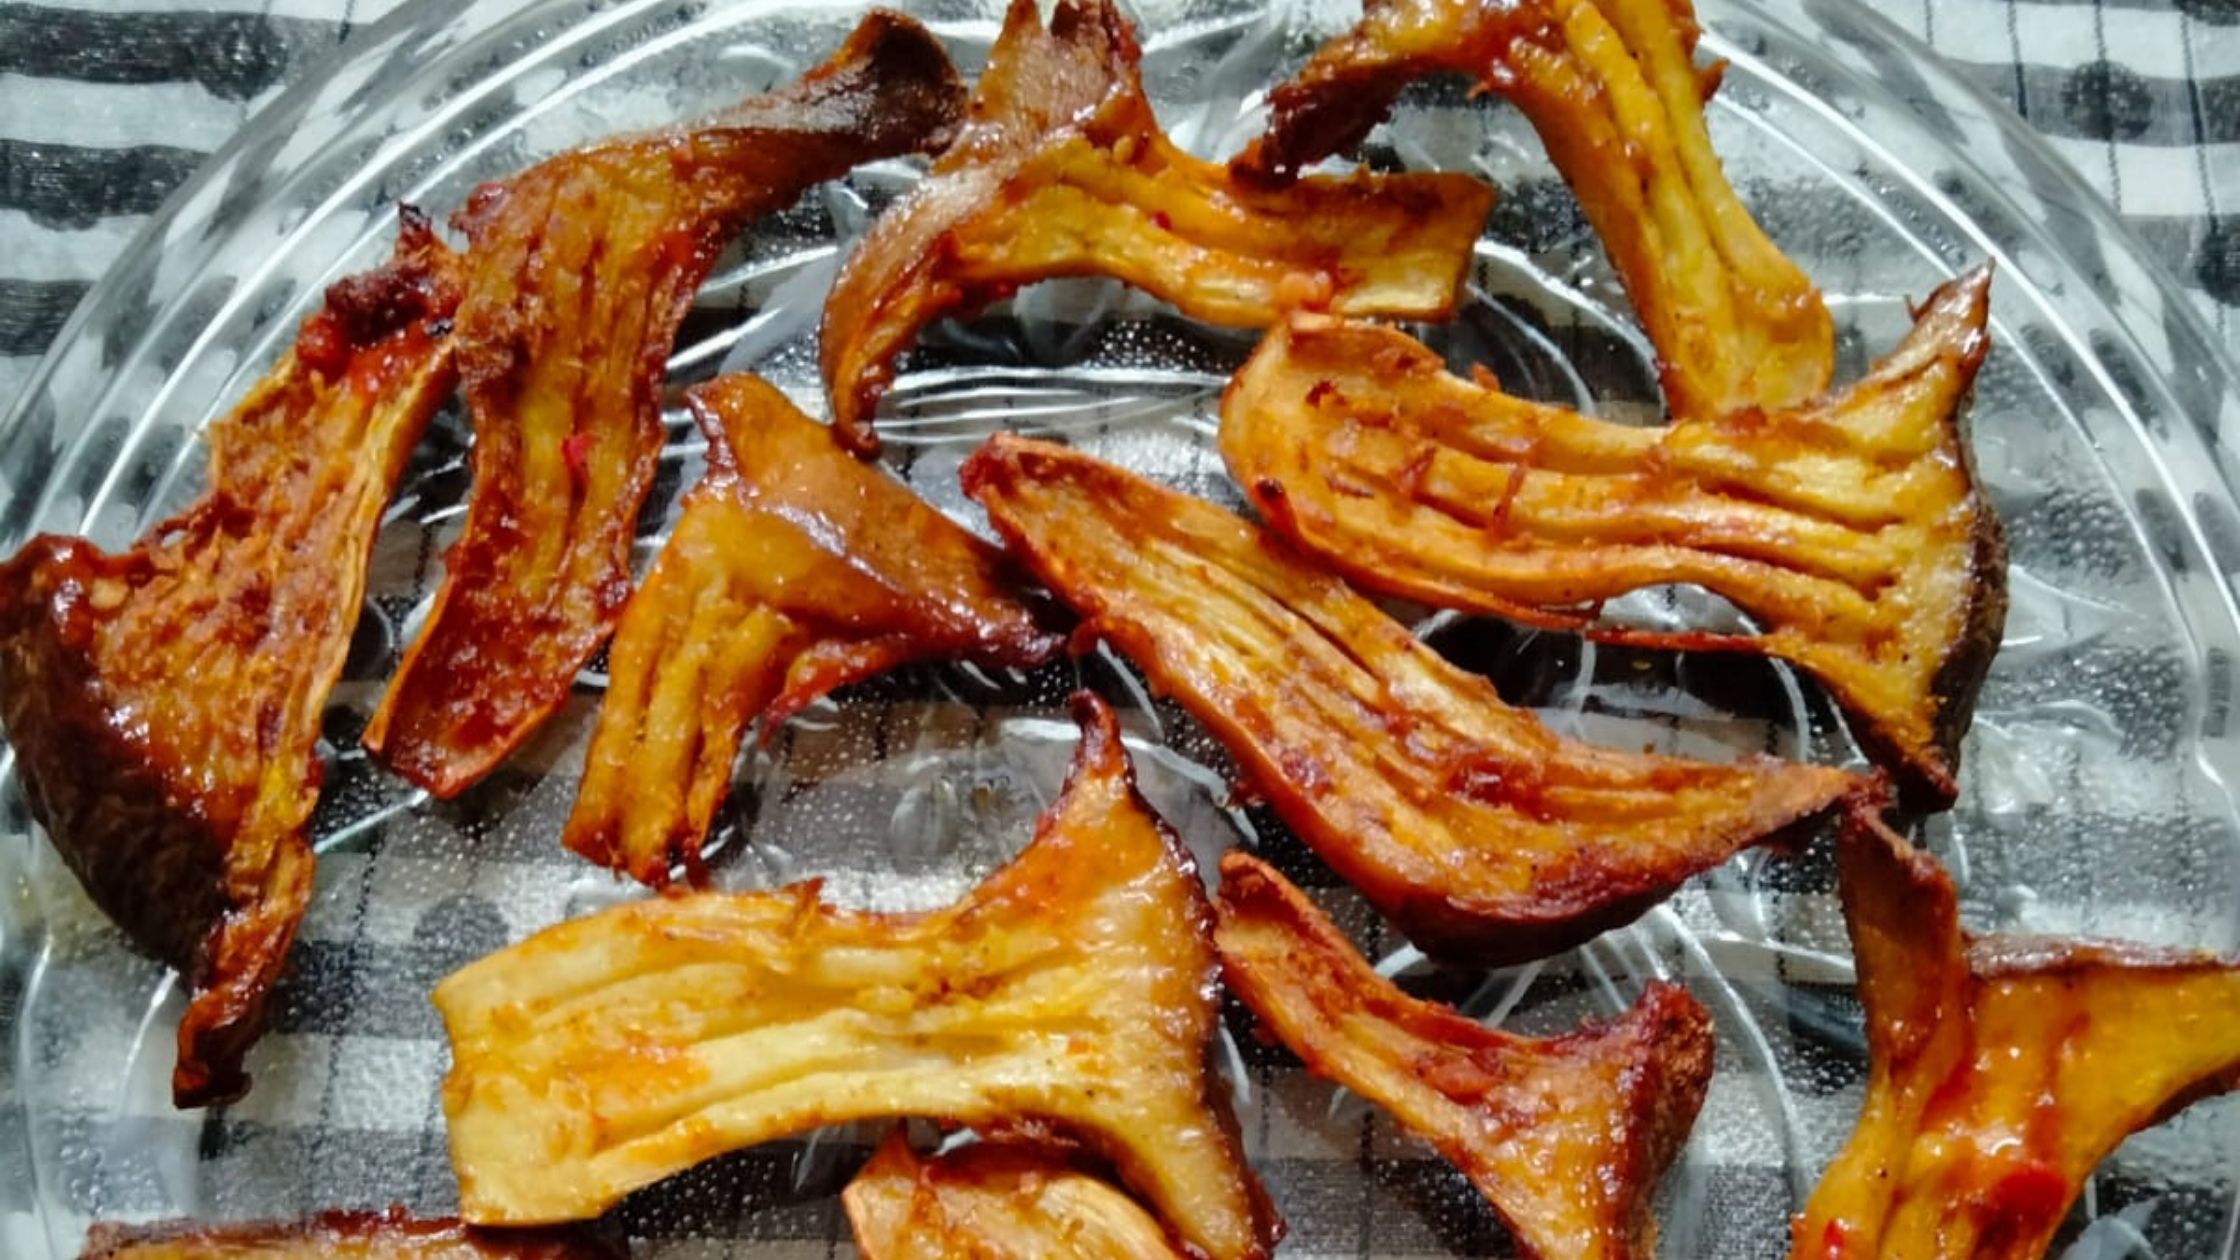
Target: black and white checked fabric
x=105 y=107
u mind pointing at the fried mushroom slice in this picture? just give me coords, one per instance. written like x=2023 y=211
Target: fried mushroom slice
x=990 y=1201
x=1612 y=88
x=1565 y=1136
x=793 y=569
x=1851 y=530
x=1480 y=832
x=1061 y=170
x=390 y=1235
x=1072 y=991
x=164 y=703
x=2001 y=1070
x=582 y=267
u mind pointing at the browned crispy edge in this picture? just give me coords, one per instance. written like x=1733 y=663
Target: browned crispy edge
x=1101 y=750
x=1924 y=780
x=1664 y=1085
x=1871 y=853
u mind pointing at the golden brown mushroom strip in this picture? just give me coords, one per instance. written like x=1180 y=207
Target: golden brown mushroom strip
x=1474 y=827
x=990 y=1201
x=1851 y=530
x=580 y=270
x=2002 y=1069
x=1061 y=170
x=794 y=568
x=1612 y=88
x=164 y=703
x=1565 y=1136
x=387 y=1235
x=1073 y=990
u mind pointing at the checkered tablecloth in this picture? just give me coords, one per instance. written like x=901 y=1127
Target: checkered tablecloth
x=107 y=105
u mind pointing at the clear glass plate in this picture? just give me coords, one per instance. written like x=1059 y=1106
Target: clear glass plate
x=2095 y=795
